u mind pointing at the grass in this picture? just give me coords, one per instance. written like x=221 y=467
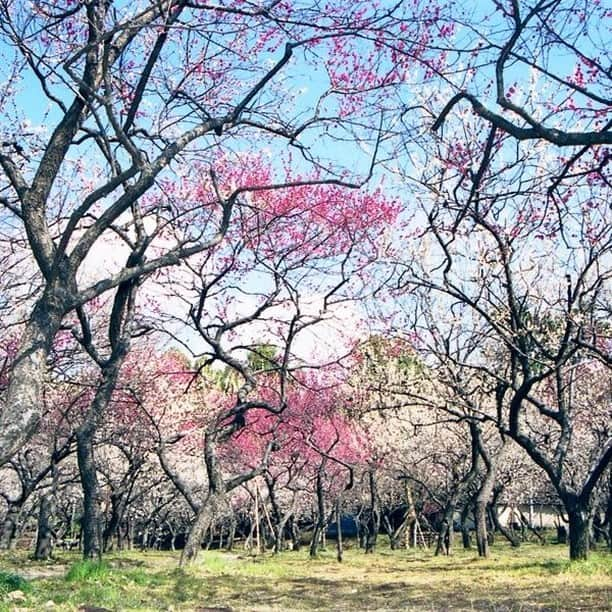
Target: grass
x=526 y=579
x=88 y=570
x=12 y=582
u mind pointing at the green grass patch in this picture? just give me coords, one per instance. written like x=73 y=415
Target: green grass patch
x=12 y=582
x=87 y=570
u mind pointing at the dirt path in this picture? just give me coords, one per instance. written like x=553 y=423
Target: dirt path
x=49 y=571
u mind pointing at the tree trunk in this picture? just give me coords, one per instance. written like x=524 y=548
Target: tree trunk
x=23 y=403
x=112 y=528
x=296 y=536
x=579 y=533
x=480 y=517
x=231 y=536
x=278 y=518
x=411 y=517
x=9 y=525
x=44 y=539
x=129 y=533
x=280 y=531
x=480 y=511
x=402 y=532
x=374 y=518
x=361 y=527
x=144 y=542
x=388 y=527
x=91 y=520
x=466 y=538
x=339 y=544
x=445 y=533
x=608 y=513
x=526 y=524
x=257 y=523
x=211 y=536
x=214 y=506
x=92 y=523
x=484 y=493
x=278 y=536
x=515 y=542
x=320 y=521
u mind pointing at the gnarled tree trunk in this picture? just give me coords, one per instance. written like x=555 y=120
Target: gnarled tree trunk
x=9 y=525
x=44 y=539
x=214 y=506
x=91 y=528
x=483 y=496
x=579 y=518
x=515 y=542
x=23 y=403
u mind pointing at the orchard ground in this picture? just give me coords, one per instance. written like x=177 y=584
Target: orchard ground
x=532 y=577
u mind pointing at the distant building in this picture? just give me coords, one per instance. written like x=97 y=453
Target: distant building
x=537 y=515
